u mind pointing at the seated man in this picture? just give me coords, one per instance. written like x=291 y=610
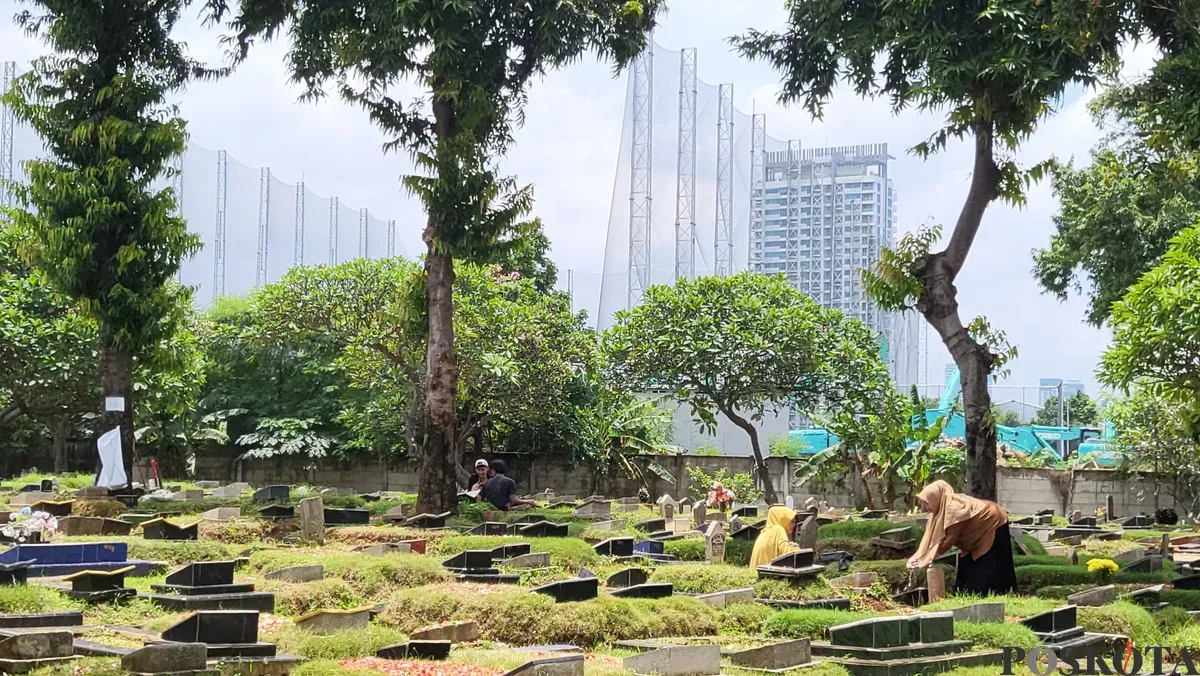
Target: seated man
x=501 y=490
x=481 y=474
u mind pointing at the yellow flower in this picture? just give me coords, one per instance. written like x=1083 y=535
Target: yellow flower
x=1102 y=566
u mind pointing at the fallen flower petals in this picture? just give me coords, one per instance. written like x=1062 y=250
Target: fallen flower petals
x=418 y=667
x=269 y=622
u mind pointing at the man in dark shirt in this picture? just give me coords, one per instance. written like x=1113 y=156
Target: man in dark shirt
x=500 y=490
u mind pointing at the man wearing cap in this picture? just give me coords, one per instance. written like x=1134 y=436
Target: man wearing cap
x=481 y=474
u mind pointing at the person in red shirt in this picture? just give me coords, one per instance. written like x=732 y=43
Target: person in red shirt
x=719 y=498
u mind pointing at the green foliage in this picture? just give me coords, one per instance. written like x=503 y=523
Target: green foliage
x=176 y=553
x=808 y=623
x=707 y=450
x=1078 y=410
x=863 y=529
x=737 y=552
x=1040 y=560
x=741 y=485
x=285 y=436
x=703 y=578
x=996 y=635
x=685 y=549
x=890 y=281
x=1172 y=618
x=744 y=619
x=529 y=257
x=338 y=646
x=737 y=345
x=1155 y=327
x=520 y=618
x=621 y=425
x=569 y=552
x=22 y=598
x=297 y=599
x=1033 y=544
x=785 y=446
x=1188 y=599
x=1187 y=637
x=1153 y=434
x=1014 y=605
x=370 y=577
x=1124 y=618
x=1030 y=578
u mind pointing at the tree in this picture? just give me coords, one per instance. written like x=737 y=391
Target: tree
x=1117 y=213
x=524 y=355
x=475 y=61
x=996 y=68
x=529 y=257
x=1078 y=410
x=1152 y=435
x=736 y=346
x=1005 y=417
x=1156 y=331
x=101 y=231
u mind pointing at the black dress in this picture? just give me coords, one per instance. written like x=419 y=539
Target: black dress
x=992 y=573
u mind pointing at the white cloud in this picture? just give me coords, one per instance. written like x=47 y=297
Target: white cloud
x=568 y=150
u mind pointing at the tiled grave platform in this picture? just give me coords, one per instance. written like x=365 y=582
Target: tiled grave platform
x=901 y=646
x=1058 y=629
x=56 y=560
x=209 y=585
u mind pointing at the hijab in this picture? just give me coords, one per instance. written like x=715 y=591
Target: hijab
x=773 y=542
x=946 y=508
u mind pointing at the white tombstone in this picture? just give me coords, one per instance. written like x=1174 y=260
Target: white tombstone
x=714 y=543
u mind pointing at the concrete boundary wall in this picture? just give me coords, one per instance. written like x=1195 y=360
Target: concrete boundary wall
x=1022 y=491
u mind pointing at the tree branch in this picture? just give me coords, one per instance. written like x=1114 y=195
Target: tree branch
x=985 y=187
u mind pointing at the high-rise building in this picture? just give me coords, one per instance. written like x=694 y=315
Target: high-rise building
x=1048 y=387
x=820 y=216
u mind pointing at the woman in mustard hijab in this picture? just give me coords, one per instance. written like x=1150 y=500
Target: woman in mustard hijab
x=979 y=528
x=775 y=539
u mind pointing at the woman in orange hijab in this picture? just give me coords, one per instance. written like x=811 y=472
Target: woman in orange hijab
x=979 y=528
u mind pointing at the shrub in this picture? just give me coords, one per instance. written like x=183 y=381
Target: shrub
x=1033 y=544
x=1057 y=591
x=744 y=618
x=862 y=530
x=521 y=618
x=1020 y=561
x=1172 y=618
x=570 y=553
x=811 y=623
x=297 y=599
x=233 y=532
x=687 y=549
x=996 y=635
x=782 y=590
x=339 y=646
x=1188 y=599
x=1124 y=618
x=1036 y=577
x=737 y=552
x=703 y=578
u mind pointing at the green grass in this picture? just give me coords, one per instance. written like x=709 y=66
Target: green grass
x=371 y=577
x=813 y=623
x=67 y=482
x=744 y=619
x=862 y=530
x=1124 y=618
x=338 y=646
x=1172 y=619
x=568 y=552
x=1031 y=578
x=519 y=618
x=1033 y=544
x=327 y=668
x=1045 y=560
x=686 y=549
x=1188 y=599
x=1014 y=604
x=32 y=598
x=93 y=666
x=994 y=635
x=1187 y=637
x=703 y=578
x=782 y=590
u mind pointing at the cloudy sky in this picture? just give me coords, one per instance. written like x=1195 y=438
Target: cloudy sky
x=568 y=151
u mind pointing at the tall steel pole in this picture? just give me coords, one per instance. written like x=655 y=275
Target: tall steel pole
x=723 y=237
x=264 y=224
x=298 y=245
x=391 y=239
x=758 y=168
x=333 y=230
x=641 y=176
x=219 y=248
x=7 y=134
x=685 y=175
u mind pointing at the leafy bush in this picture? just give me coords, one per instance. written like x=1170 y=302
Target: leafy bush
x=1187 y=637
x=703 y=578
x=687 y=549
x=744 y=619
x=737 y=552
x=339 y=646
x=808 y=623
x=782 y=590
x=1187 y=599
x=996 y=635
x=570 y=553
x=521 y=618
x=1124 y=618
x=741 y=485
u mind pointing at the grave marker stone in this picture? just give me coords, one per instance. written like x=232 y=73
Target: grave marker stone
x=721 y=599
x=562 y=665
x=806 y=534
x=576 y=589
x=622 y=546
x=700 y=514
x=774 y=656
x=97 y=586
x=161 y=529
x=649 y=590
x=532 y=560
x=424 y=650
x=714 y=544
x=382 y=548
x=330 y=621
x=1097 y=596
x=221 y=514
x=308 y=573
x=692 y=660
x=628 y=577
x=991 y=611
x=667 y=506
x=311 y=512
x=233 y=490
x=166 y=658
x=935 y=583
x=92 y=525
x=26 y=652
x=272 y=494
x=1110 y=508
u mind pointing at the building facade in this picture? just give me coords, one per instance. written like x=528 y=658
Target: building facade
x=819 y=217
x=1048 y=388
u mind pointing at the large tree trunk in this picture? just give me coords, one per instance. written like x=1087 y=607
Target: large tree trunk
x=939 y=305
x=116 y=381
x=439 y=477
x=62 y=426
x=760 y=464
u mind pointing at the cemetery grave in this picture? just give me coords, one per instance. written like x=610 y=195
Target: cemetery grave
x=313 y=590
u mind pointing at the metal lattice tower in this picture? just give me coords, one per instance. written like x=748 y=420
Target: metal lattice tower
x=685 y=176
x=264 y=221
x=333 y=230
x=723 y=239
x=641 y=176
x=298 y=247
x=219 y=248
x=758 y=157
x=391 y=241
x=177 y=188
x=7 y=124
x=362 y=233
x=793 y=211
